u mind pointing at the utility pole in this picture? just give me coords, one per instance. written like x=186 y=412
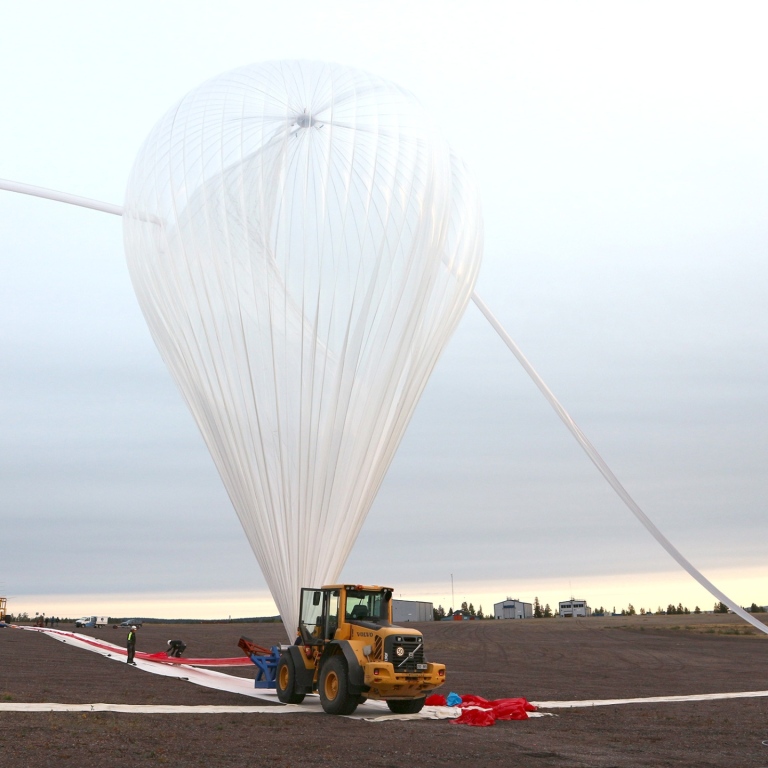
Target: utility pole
x=453 y=598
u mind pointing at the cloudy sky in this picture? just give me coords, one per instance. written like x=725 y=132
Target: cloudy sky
x=621 y=154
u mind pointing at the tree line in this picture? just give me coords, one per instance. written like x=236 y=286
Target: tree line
x=675 y=610
x=466 y=609
x=545 y=612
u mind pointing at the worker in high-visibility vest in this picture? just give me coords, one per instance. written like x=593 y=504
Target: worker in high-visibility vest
x=131 y=645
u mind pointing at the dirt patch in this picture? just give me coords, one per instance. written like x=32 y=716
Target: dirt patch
x=542 y=660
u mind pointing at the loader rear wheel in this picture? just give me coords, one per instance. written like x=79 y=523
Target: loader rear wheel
x=405 y=706
x=285 y=681
x=334 y=688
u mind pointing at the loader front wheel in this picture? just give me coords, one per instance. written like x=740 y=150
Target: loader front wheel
x=285 y=681
x=334 y=688
x=406 y=706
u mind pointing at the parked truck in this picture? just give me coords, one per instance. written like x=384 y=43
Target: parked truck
x=92 y=621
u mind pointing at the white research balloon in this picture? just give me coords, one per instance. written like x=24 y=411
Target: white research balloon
x=302 y=242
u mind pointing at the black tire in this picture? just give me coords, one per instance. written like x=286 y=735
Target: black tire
x=333 y=688
x=285 y=681
x=406 y=706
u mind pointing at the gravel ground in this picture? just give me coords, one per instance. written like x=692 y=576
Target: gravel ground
x=542 y=660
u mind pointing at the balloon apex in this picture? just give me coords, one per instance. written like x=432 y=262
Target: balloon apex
x=305 y=120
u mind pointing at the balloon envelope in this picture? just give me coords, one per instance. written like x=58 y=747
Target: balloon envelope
x=302 y=242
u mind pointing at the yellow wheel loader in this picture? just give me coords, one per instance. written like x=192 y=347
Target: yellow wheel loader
x=348 y=650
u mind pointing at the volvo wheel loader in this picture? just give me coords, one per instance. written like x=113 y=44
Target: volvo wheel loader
x=348 y=650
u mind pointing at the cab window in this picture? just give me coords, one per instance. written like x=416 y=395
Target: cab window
x=364 y=605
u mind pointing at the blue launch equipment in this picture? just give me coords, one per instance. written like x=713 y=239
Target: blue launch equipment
x=264 y=659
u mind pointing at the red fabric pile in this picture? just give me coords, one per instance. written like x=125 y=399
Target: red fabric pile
x=480 y=712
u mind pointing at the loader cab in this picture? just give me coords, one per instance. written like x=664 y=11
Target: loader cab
x=324 y=610
x=368 y=606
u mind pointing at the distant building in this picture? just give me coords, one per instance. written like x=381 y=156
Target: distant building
x=512 y=608
x=573 y=607
x=411 y=610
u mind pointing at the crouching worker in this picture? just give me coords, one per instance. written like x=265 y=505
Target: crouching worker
x=176 y=648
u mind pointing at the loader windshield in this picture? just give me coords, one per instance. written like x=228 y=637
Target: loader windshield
x=367 y=605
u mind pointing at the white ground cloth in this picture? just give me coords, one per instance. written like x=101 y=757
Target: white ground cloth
x=371 y=710
x=649 y=700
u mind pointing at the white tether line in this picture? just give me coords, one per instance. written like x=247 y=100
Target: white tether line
x=61 y=197
x=606 y=472
x=581 y=438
